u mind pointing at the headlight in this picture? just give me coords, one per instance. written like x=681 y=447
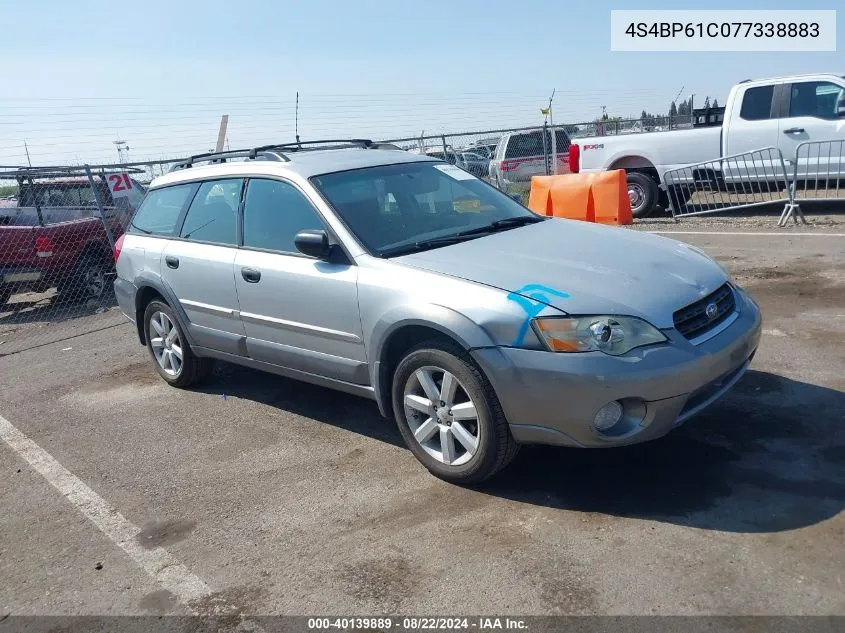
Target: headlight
x=613 y=335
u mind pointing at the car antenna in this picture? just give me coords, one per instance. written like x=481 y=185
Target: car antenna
x=296 y=121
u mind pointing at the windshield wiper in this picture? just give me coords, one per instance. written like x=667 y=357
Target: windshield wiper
x=461 y=236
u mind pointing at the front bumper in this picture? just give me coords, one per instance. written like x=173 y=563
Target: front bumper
x=552 y=398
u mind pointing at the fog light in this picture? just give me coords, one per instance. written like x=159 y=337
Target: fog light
x=608 y=416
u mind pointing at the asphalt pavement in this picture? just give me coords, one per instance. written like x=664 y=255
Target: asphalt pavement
x=256 y=494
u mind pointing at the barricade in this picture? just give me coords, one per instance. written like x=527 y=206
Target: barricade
x=600 y=197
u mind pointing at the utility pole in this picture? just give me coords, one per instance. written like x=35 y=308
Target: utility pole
x=122 y=146
x=28 y=160
x=221 y=134
x=691 y=115
x=554 y=134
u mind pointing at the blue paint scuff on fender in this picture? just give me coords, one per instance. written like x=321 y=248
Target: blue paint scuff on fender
x=532 y=298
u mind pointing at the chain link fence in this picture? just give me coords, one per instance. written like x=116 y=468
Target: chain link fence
x=58 y=226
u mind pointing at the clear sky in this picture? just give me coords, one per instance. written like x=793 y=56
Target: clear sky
x=159 y=74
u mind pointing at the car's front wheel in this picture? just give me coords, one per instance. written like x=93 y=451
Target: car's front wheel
x=449 y=415
x=174 y=359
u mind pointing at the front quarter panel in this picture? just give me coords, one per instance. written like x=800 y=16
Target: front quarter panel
x=393 y=296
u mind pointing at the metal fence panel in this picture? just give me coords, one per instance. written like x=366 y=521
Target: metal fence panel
x=819 y=170
x=729 y=183
x=58 y=226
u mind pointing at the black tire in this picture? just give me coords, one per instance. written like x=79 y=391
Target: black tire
x=647 y=193
x=496 y=446
x=89 y=279
x=193 y=368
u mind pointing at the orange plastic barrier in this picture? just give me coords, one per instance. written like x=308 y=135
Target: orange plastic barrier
x=600 y=197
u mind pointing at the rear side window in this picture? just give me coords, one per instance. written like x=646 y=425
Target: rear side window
x=213 y=214
x=523 y=145
x=562 y=141
x=757 y=103
x=531 y=144
x=274 y=212
x=160 y=210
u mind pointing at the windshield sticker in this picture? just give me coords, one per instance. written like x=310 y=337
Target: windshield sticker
x=455 y=172
x=532 y=298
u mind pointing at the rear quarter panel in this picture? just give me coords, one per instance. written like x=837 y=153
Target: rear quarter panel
x=662 y=150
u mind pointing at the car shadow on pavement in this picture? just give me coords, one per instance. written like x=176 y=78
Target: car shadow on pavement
x=769 y=456
x=321 y=404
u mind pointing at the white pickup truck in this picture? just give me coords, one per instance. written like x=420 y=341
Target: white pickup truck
x=781 y=113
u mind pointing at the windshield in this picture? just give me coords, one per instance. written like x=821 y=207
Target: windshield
x=396 y=206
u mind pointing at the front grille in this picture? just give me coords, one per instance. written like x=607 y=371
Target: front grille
x=692 y=321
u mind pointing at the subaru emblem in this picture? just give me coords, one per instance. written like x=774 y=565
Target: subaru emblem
x=712 y=311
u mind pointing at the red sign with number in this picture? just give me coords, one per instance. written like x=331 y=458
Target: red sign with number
x=119 y=184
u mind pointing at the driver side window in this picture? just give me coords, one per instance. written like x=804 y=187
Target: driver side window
x=274 y=212
x=820 y=99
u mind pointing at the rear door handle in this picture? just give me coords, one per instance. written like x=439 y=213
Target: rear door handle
x=251 y=275
x=794 y=130
x=172 y=262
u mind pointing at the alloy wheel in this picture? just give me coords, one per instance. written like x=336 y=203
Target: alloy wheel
x=166 y=345
x=442 y=417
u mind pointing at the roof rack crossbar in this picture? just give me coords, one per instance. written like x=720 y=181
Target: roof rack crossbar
x=276 y=151
x=222 y=157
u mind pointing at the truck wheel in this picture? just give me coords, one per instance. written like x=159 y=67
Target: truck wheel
x=89 y=279
x=642 y=192
x=5 y=293
x=449 y=415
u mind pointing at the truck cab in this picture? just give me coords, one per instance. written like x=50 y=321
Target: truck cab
x=781 y=113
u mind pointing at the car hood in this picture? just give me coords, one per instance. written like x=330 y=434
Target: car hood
x=582 y=268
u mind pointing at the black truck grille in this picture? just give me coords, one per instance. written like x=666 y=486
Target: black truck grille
x=693 y=321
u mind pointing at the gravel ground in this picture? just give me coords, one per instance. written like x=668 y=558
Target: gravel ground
x=821 y=217
x=284 y=498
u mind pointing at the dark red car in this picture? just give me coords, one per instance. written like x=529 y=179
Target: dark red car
x=54 y=236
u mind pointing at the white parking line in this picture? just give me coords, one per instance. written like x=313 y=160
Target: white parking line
x=758 y=233
x=157 y=562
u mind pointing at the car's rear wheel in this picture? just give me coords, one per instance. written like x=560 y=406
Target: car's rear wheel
x=449 y=415
x=172 y=354
x=642 y=192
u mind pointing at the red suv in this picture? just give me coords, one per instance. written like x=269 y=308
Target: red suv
x=53 y=235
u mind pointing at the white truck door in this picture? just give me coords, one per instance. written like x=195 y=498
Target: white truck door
x=751 y=124
x=814 y=110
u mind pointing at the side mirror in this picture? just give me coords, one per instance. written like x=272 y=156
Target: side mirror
x=313 y=243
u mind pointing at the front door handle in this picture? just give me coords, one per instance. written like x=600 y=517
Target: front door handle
x=794 y=130
x=251 y=275
x=172 y=262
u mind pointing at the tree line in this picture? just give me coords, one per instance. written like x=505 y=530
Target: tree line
x=682 y=109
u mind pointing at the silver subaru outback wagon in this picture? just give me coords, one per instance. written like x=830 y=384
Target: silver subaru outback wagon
x=475 y=323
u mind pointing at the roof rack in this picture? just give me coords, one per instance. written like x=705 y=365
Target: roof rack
x=60 y=172
x=277 y=151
